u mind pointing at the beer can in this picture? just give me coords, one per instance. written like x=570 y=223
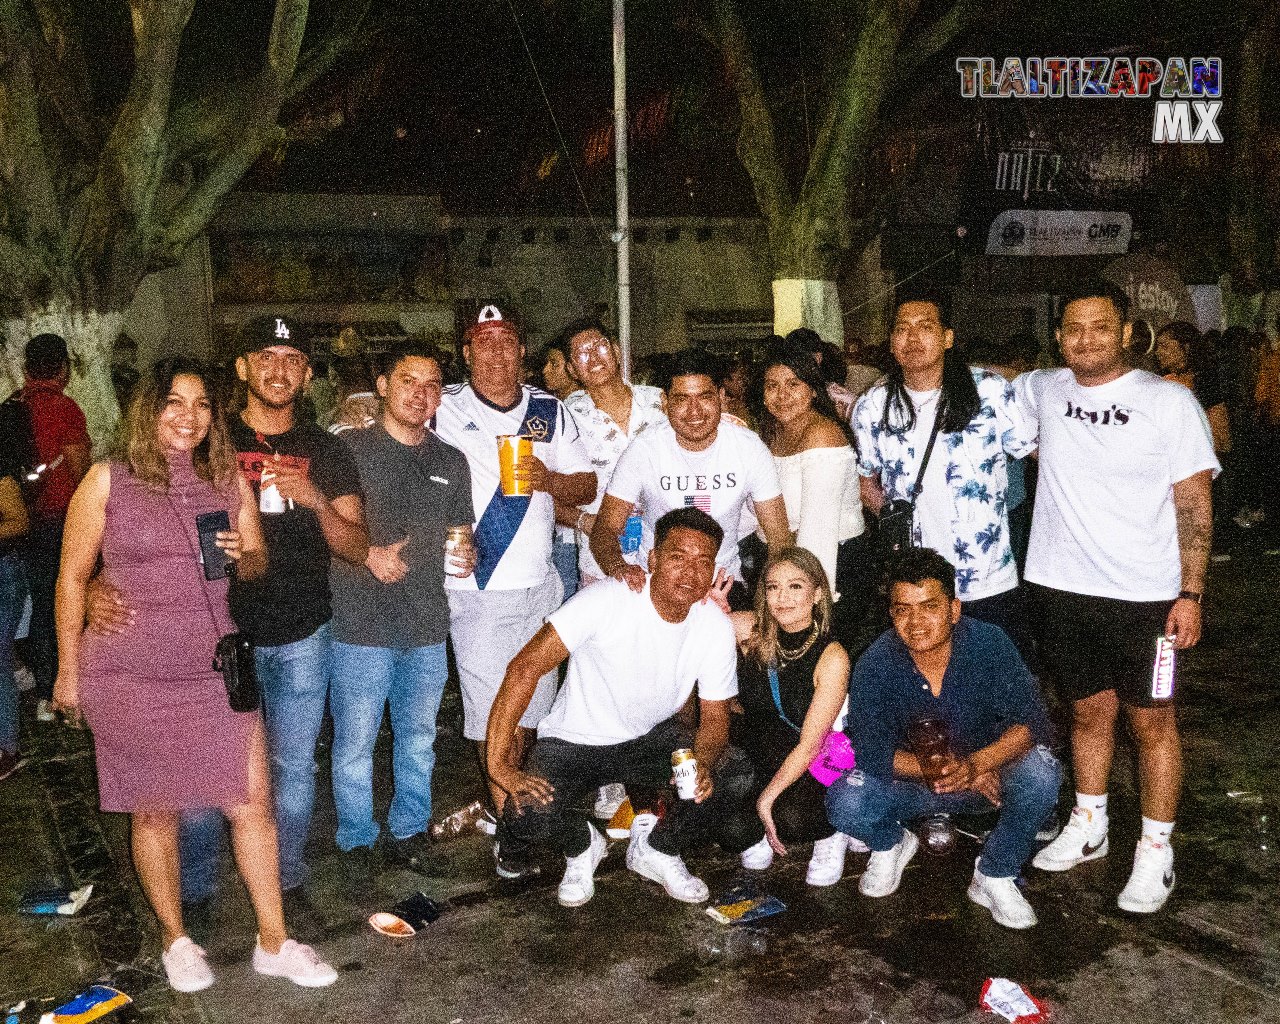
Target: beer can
x=1162 y=671
x=270 y=501
x=455 y=538
x=684 y=766
x=511 y=449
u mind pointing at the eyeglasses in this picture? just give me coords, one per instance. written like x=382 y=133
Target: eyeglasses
x=583 y=354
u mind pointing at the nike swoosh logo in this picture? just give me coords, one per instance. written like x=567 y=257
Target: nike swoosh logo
x=1091 y=848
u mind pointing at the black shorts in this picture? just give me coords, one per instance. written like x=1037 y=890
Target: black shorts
x=1093 y=644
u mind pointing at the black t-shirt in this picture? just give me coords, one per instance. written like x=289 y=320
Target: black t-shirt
x=292 y=600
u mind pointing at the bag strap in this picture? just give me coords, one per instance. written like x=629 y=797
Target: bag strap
x=777 y=695
x=204 y=590
x=918 y=486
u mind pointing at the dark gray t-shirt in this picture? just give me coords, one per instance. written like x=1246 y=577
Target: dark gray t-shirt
x=414 y=491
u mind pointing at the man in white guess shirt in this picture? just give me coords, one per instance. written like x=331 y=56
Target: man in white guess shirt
x=635 y=658
x=515 y=586
x=695 y=460
x=1119 y=547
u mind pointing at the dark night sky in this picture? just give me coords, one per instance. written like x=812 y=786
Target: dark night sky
x=446 y=100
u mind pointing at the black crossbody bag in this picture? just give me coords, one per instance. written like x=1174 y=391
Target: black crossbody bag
x=898 y=517
x=233 y=654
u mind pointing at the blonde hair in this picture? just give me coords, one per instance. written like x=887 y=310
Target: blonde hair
x=763 y=645
x=139 y=445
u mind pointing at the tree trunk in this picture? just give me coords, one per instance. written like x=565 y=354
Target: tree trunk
x=805 y=268
x=90 y=335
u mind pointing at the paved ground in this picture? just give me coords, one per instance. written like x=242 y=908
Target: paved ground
x=502 y=954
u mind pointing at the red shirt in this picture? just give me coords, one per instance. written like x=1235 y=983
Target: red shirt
x=58 y=424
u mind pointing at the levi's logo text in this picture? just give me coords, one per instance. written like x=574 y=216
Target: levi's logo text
x=699 y=482
x=1187 y=90
x=1116 y=415
x=251 y=464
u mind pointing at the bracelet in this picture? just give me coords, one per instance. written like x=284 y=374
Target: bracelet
x=1190 y=595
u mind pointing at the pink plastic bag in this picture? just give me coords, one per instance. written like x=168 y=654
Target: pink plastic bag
x=834 y=759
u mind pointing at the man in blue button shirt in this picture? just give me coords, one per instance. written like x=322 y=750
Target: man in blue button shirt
x=934 y=664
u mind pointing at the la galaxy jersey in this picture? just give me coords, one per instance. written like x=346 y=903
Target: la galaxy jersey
x=512 y=534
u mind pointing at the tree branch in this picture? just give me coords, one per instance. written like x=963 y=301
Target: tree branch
x=63 y=73
x=757 y=146
x=930 y=40
x=853 y=110
x=24 y=162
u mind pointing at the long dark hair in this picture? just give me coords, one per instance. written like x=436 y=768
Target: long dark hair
x=803 y=365
x=957 y=405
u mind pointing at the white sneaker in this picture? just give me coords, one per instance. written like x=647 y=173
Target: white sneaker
x=1152 y=879
x=299 y=963
x=1004 y=899
x=578 y=885
x=857 y=845
x=185 y=965
x=666 y=869
x=1082 y=838
x=608 y=800
x=758 y=857
x=884 y=870
x=44 y=711
x=827 y=863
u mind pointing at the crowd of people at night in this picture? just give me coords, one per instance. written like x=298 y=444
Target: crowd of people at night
x=778 y=601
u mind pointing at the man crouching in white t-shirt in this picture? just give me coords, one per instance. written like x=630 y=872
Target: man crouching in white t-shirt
x=634 y=660
x=1119 y=547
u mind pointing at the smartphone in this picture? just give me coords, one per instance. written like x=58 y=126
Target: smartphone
x=217 y=563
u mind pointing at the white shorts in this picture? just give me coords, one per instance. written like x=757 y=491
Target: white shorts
x=488 y=628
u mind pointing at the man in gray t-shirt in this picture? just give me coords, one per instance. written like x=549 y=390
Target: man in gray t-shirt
x=390 y=616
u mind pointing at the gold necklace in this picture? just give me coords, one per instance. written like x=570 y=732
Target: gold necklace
x=786 y=658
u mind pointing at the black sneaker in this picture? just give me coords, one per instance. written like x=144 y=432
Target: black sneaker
x=417 y=853
x=359 y=871
x=302 y=917
x=511 y=866
x=197 y=918
x=10 y=763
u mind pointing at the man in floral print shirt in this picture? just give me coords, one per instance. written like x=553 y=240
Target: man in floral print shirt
x=960 y=511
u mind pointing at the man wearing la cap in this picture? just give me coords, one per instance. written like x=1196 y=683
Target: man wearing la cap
x=494 y=612
x=312 y=507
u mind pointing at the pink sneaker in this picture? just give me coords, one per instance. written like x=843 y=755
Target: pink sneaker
x=300 y=964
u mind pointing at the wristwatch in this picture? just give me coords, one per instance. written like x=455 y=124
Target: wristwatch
x=1190 y=595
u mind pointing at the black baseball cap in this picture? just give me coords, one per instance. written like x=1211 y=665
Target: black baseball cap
x=270 y=332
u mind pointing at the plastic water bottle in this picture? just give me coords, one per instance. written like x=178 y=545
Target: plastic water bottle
x=633 y=532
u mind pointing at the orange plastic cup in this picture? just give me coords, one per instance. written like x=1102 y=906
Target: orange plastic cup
x=511 y=449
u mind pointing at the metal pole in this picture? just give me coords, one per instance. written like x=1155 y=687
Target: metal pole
x=622 y=236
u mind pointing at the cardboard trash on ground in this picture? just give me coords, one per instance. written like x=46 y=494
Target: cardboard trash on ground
x=1012 y=1002
x=743 y=904
x=96 y=1002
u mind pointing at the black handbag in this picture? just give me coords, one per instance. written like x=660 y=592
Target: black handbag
x=233 y=654
x=896 y=528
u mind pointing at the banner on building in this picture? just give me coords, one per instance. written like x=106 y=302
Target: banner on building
x=1059 y=233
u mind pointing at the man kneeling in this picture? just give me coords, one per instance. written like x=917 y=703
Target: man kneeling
x=634 y=659
x=934 y=664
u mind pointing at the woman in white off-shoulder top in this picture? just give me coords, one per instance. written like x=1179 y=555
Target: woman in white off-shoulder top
x=817 y=467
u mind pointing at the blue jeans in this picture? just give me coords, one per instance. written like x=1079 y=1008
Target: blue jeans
x=295 y=681
x=875 y=810
x=365 y=680
x=564 y=556
x=13 y=598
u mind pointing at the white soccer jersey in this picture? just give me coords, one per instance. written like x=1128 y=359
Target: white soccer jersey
x=512 y=535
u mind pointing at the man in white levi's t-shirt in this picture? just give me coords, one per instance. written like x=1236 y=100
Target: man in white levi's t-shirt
x=695 y=460
x=1119 y=549
x=635 y=658
x=515 y=586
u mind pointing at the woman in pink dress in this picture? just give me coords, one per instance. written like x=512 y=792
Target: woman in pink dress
x=166 y=738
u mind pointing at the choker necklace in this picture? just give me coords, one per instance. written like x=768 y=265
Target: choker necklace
x=785 y=657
